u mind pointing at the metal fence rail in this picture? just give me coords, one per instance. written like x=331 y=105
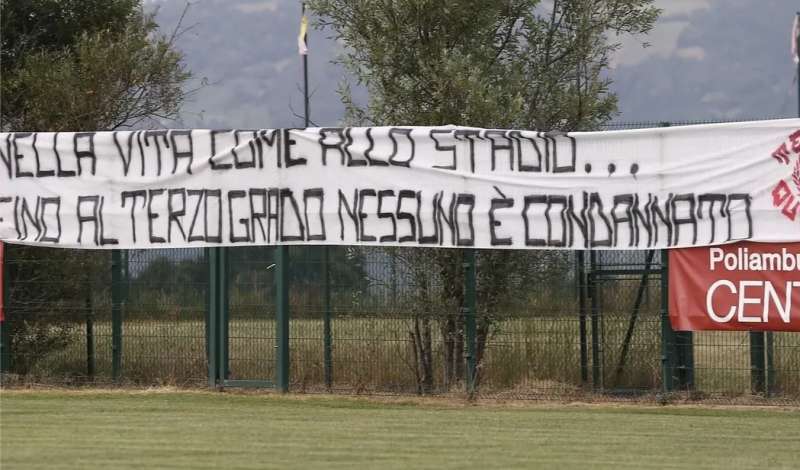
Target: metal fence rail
x=505 y=324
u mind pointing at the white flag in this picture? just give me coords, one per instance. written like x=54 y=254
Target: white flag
x=302 y=47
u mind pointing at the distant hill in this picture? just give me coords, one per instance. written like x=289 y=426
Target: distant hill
x=730 y=61
x=710 y=59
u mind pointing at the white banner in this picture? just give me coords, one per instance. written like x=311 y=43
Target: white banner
x=403 y=186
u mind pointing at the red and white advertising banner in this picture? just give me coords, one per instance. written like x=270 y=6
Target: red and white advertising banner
x=742 y=286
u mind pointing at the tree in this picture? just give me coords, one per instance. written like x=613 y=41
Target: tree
x=75 y=65
x=85 y=65
x=527 y=64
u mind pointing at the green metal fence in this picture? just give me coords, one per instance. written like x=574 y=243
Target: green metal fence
x=576 y=325
x=504 y=324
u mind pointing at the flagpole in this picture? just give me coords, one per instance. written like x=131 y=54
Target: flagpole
x=797 y=51
x=306 y=115
x=326 y=278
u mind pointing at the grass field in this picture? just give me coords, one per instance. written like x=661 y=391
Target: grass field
x=168 y=429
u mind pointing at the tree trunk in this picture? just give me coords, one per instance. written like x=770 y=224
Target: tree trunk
x=482 y=335
x=453 y=341
x=427 y=356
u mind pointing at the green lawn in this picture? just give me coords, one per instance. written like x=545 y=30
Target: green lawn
x=169 y=429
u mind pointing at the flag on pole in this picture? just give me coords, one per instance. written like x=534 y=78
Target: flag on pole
x=302 y=46
x=795 y=39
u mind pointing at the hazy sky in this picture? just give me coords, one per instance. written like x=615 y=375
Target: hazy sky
x=707 y=60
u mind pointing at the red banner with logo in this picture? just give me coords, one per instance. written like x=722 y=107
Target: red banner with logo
x=743 y=286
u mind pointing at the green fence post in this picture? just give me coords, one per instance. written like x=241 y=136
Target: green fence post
x=327 y=333
x=770 y=363
x=126 y=275
x=595 y=307
x=684 y=352
x=212 y=315
x=5 y=345
x=580 y=274
x=223 y=344
x=5 y=331
x=116 y=315
x=282 y=318
x=90 y=353
x=470 y=303
x=667 y=337
x=758 y=377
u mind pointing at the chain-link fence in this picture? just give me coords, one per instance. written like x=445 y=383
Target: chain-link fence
x=504 y=324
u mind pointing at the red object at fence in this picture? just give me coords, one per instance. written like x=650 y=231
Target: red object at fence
x=2 y=309
x=743 y=286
